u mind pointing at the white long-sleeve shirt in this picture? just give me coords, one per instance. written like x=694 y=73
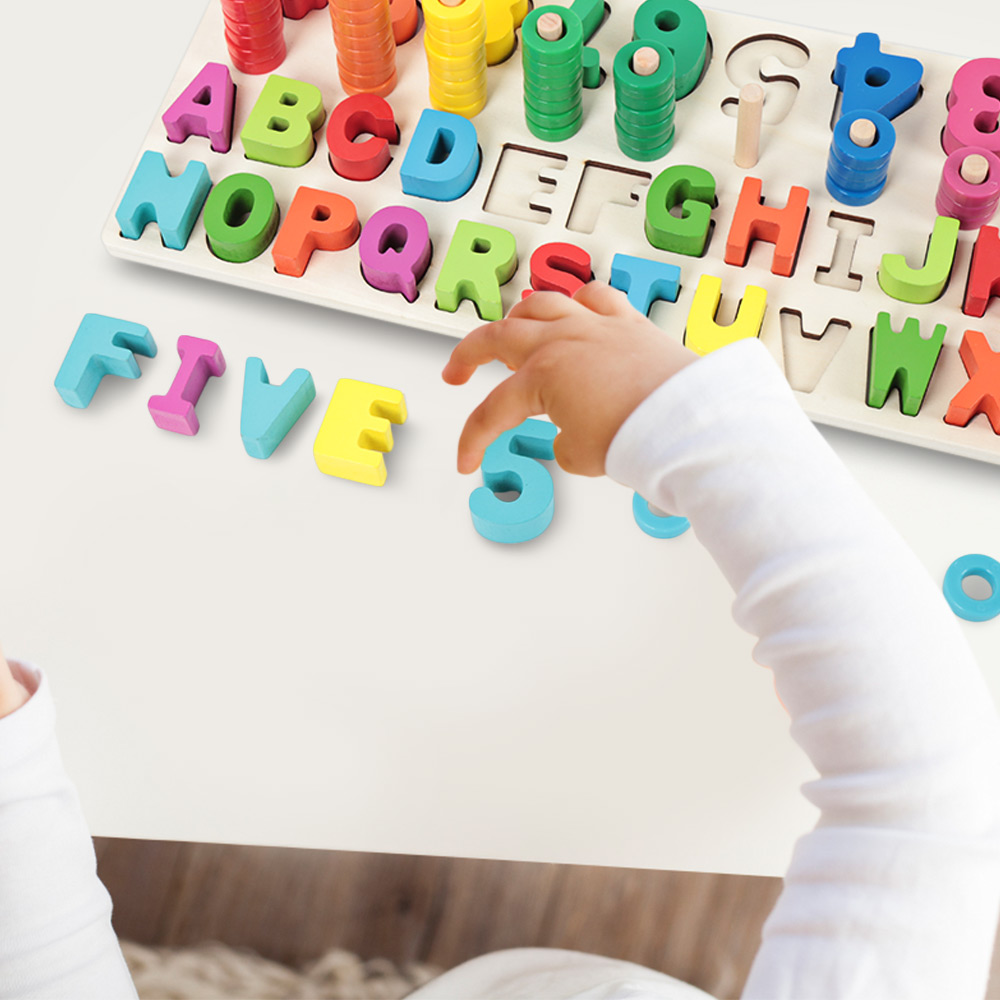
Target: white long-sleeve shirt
x=56 y=940
x=894 y=894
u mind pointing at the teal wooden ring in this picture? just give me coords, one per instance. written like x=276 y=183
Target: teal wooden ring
x=654 y=524
x=973 y=609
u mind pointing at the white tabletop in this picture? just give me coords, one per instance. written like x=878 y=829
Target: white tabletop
x=252 y=652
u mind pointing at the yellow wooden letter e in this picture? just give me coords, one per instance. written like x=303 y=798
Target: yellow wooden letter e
x=357 y=429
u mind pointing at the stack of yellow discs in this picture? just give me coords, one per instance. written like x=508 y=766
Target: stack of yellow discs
x=455 y=42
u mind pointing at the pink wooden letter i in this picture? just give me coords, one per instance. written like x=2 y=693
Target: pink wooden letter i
x=200 y=360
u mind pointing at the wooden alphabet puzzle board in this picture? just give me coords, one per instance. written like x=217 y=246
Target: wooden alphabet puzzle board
x=586 y=192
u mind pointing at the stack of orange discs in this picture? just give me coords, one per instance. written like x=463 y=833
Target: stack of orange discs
x=405 y=19
x=366 y=48
x=255 y=34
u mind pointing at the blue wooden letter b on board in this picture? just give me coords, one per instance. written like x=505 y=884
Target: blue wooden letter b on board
x=510 y=465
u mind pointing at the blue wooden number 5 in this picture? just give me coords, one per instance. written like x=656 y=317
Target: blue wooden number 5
x=510 y=465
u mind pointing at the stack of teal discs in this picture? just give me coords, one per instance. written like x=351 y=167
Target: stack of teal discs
x=644 y=105
x=553 y=76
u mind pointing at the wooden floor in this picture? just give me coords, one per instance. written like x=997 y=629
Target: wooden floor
x=293 y=905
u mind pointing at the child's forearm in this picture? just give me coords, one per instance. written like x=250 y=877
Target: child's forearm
x=895 y=893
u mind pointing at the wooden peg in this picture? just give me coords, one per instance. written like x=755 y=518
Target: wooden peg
x=645 y=61
x=550 y=26
x=748 y=121
x=975 y=168
x=863 y=133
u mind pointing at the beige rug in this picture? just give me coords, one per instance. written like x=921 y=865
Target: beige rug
x=215 y=972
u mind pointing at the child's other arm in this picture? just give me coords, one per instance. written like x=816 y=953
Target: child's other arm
x=56 y=939
x=13 y=694
x=895 y=893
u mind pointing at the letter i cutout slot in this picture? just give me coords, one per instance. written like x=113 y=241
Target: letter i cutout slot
x=509 y=464
x=200 y=360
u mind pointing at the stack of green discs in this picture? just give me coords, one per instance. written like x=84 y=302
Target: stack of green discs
x=644 y=99
x=591 y=14
x=553 y=74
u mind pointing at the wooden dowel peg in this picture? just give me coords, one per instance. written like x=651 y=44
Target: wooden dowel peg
x=863 y=133
x=975 y=169
x=645 y=61
x=550 y=27
x=748 y=119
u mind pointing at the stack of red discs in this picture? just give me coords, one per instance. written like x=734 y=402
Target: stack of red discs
x=255 y=34
x=366 y=48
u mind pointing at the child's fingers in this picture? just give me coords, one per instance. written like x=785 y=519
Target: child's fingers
x=603 y=299
x=508 y=405
x=509 y=340
x=581 y=455
x=542 y=306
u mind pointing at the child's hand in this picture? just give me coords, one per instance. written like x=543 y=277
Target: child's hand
x=586 y=361
x=13 y=694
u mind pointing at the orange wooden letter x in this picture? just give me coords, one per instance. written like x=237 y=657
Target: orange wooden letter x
x=981 y=394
